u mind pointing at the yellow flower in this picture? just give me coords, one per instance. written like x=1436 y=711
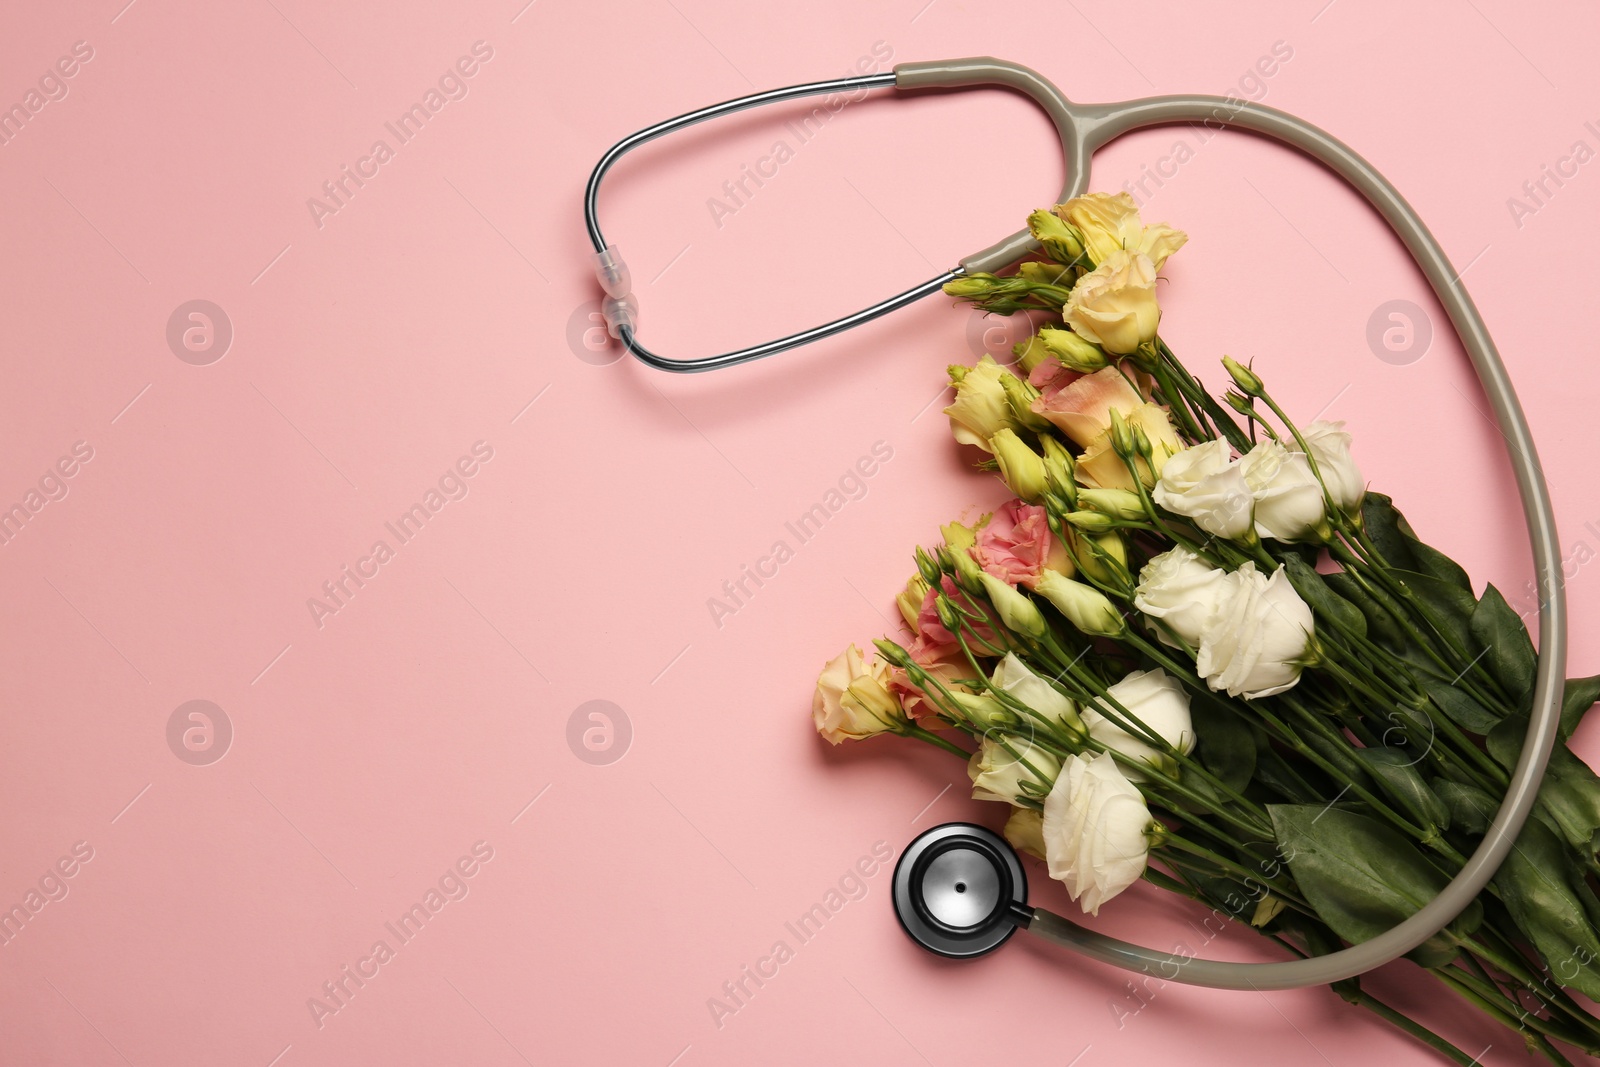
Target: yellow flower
x=1114 y=305
x=981 y=408
x=1110 y=222
x=852 y=700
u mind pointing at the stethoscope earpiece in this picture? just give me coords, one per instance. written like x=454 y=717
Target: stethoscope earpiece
x=959 y=891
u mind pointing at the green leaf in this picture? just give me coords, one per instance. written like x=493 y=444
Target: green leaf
x=1381 y=624
x=1449 y=606
x=1323 y=601
x=1383 y=525
x=1578 y=697
x=1398 y=774
x=1547 y=901
x=1225 y=744
x=1569 y=798
x=1361 y=876
x=1431 y=561
x=1508 y=650
x=1284 y=781
x=1471 y=809
x=1460 y=708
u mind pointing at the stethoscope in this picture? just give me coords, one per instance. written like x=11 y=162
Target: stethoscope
x=959 y=890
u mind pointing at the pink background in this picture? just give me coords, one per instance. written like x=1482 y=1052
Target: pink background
x=449 y=294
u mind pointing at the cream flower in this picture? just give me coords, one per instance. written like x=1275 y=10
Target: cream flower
x=1254 y=644
x=980 y=409
x=1110 y=222
x=1025 y=830
x=1155 y=699
x=1114 y=305
x=1103 y=468
x=1330 y=447
x=852 y=700
x=1288 y=497
x=1095 y=830
x=1014 y=677
x=1082 y=408
x=1206 y=484
x=1009 y=768
x=1183 y=591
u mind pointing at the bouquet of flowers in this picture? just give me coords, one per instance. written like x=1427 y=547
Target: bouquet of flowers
x=1196 y=649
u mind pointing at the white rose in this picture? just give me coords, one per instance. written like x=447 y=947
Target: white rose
x=1183 y=591
x=1330 y=447
x=1257 y=636
x=1287 y=495
x=980 y=409
x=853 y=700
x=1009 y=768
x=1114 y=305
x=1014 y=677
x=1095 y=824
x=1206 y=484
x=1157 y=700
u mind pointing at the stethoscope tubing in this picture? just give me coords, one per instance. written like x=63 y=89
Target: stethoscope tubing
x=1083 y=129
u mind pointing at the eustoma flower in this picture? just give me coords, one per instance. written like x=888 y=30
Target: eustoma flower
x=1114 y=305
x=1013 y=677
x=1008 y=768
x=1110 y=221
x=1258 y=638
x=1204 y=483
x=980 y=409
x=1330 y=447
x=1286 y=495
x=1181 y=590
x=852 y=700
x=1251 y=632
x=1016 y=545
x=1095 y=830
x=1157 y=701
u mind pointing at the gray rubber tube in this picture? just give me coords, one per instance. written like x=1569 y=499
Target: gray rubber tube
x=1085 y=128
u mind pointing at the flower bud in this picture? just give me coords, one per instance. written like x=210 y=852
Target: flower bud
x=1061 y=470
x=1020 y=396
x=1245 y=378
x=927 y=566
x=1072 y=351
x=1021 y=468
x=1118 y=503
x=1092 y=521
x=1121 y=436
x=1016 y=610
x=1030 y=353
x=1062 y=242
x=984 y=712
x=971 y=286
x=968 y=573
x=1085 y=607
x=948 y=617
x=1040 y=273
x=910 y=599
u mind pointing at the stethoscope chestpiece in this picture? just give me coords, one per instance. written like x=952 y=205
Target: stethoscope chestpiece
x=959 y=891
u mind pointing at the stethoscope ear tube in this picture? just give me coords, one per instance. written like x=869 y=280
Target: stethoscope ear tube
x=1084 y=128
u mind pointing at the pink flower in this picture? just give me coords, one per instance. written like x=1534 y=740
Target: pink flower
x=1016 y=545
x=933 y=642
x=1082 y=406
x=1050 y=374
